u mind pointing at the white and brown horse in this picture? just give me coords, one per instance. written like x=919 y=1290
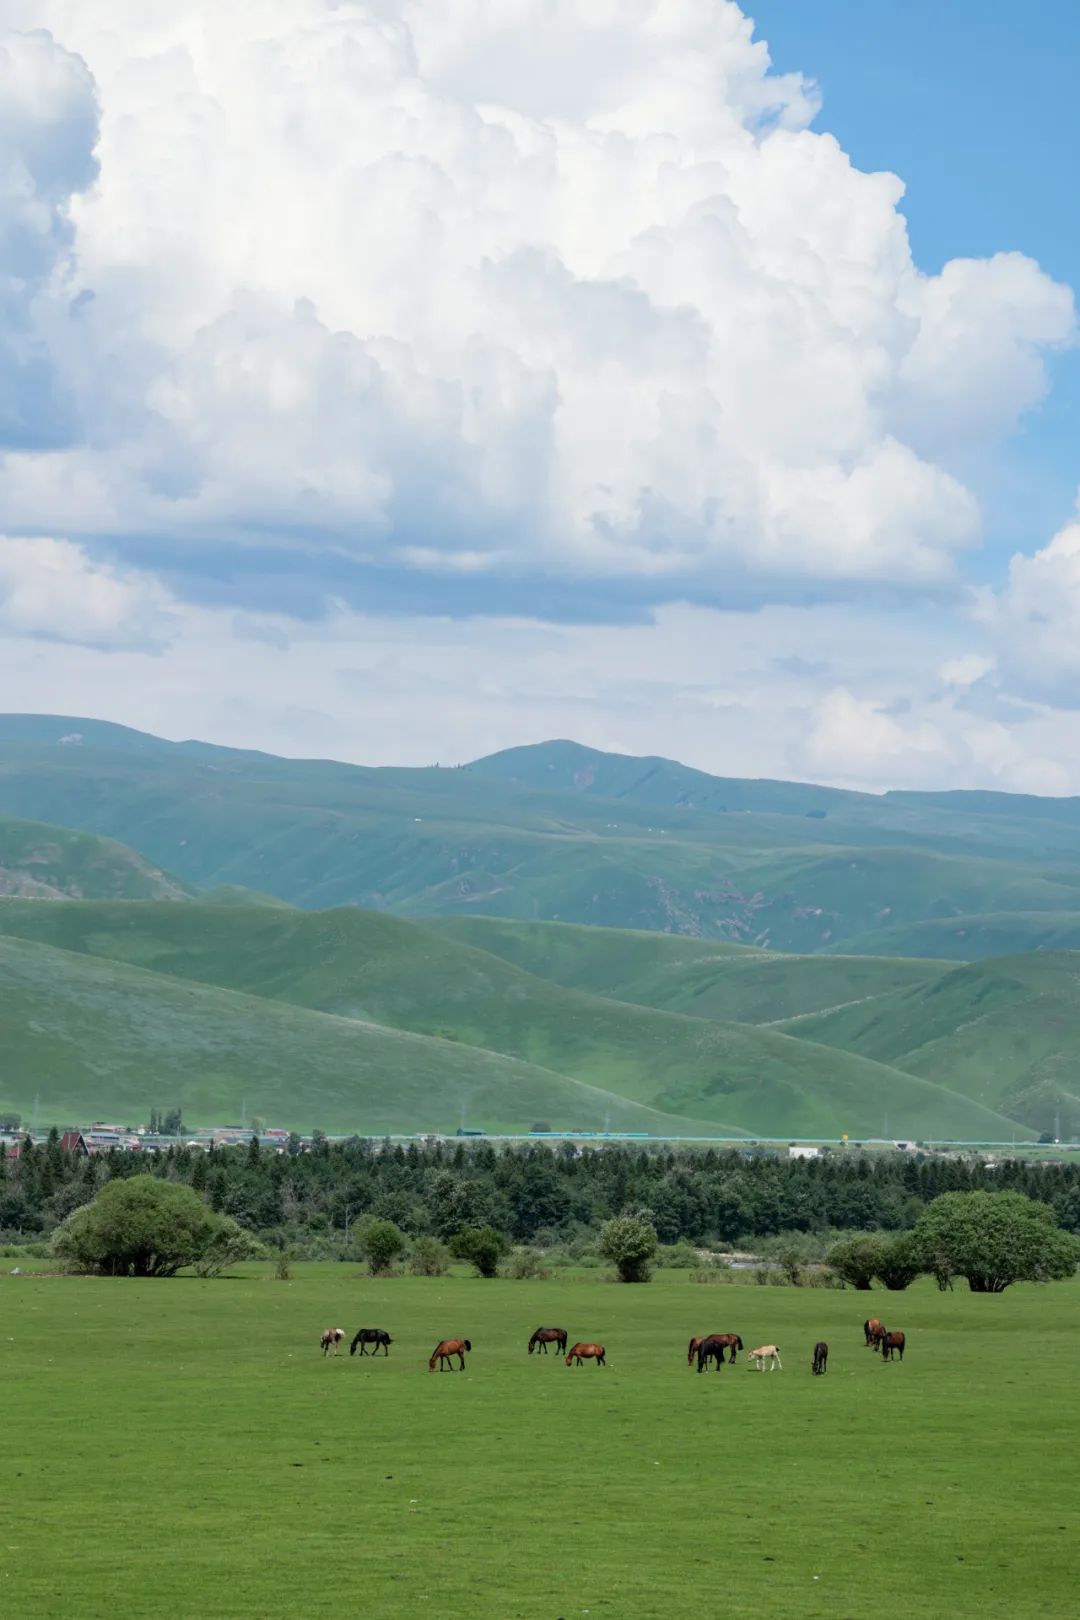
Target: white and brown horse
x=331 y=1340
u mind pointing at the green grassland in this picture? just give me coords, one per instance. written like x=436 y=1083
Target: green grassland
x=182 y=1448
x=43 y=862
x=361 y=977
x=1005 y=1031
x=554 y=832
x=705 y=978
x=968 y=939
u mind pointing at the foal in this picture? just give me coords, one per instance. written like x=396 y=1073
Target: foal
x=331 y=1340
x=766 y=1353
x=821 y=1356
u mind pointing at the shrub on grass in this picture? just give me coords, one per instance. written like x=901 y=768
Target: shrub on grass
x=380 y=1243
x=141 y=1227
x=854 y=1260
x=629 y=1243
x=897 y=1261
x=429 y=1258
x=482 y=1246
x=527 y=1265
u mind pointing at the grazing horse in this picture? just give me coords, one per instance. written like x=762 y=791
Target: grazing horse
x=766 y=1353
x=375 y=1336
x=587 y=1352
x=872 y=1331
x=821 y=1357
x=330 y=1340
x=447 y=1348
x=714 y=1345
x=892 y=1344
x=693 y=1348
x=545 y=1336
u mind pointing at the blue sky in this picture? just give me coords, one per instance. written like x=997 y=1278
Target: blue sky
x=973 y=103
x=397 y=381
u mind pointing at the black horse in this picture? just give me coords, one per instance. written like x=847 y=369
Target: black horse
x=375 y=1336
x=821 y=1357
x=715 y=1345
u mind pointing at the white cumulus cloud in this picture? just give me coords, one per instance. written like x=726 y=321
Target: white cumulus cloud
x=534 y=286
x=51 y=589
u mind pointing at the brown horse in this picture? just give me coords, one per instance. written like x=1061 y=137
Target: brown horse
x=447 y=1348
x=693 y=1348
x=331 y=1339
x=821 y=1357
x=587 y=1352
x=892 y=1344
x=714 y=1344
x=872 y=1331
x=545 y=1336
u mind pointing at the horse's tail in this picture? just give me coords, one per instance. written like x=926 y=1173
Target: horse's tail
x=738 y=1342
x=467 y=1345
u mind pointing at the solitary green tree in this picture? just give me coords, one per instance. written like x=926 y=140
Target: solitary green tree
x=141 y=1227
x=380 y=1243
x=482 y=1246
x=854 y=1260
x=993 y=1239
x=629 y=1243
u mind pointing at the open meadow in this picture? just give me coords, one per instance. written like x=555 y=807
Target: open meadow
x=181 y=1448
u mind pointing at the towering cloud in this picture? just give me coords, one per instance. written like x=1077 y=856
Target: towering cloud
x=488 y=288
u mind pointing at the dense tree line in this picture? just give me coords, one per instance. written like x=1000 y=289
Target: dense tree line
x=314 y=1201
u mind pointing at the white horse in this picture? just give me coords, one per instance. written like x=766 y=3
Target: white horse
x=766 y=1353
x=331 y=1339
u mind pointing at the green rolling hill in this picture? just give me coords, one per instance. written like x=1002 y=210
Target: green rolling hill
x=42 y=862
x=704 y=978
x=393 y=976
x=554 y=832
x=1005 y=1032
x=84 y=1037
x=971 y=938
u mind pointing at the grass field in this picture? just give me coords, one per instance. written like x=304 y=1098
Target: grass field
x=181 y=1448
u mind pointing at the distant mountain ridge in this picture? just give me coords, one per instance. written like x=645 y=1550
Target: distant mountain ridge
x=556 y=831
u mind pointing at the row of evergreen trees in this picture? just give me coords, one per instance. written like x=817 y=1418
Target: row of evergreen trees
x=530 y=1194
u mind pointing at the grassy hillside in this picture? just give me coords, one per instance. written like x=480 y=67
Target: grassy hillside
x=380 y=970
x=85 y=1037
x=971 y=938
x=40 y=862
x=704 y=978
x=553 y=832
x=1005 y=1032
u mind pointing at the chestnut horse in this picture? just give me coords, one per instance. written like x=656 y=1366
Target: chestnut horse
x=331 y=1339
x=821 y=1357
x=891 y=1345
x=587 y=1352
x=694 y=1347
x=873 y=1331
x=545 y=1336
x=375 y=1336
x=445 y=1349
x=714 y=1344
